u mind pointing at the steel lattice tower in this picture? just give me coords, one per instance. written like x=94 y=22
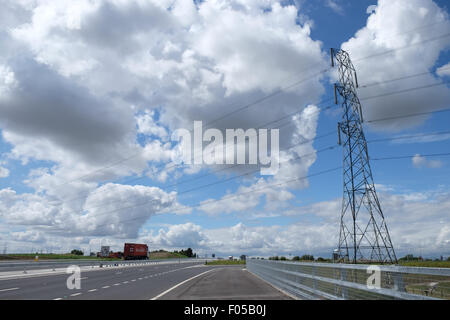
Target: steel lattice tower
x=364 y=235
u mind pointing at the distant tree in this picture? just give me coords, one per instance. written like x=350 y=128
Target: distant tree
x=188 y=253
x=410 y=257
x=321 y=259
x=77 y=252
x=213 y=255
x=283 y=258
x=274 y=258
x=307 y=257
x=243 y=257
x=296 y=258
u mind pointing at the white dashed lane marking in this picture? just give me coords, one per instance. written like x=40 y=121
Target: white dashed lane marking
x=106 y=287
x=9 y=289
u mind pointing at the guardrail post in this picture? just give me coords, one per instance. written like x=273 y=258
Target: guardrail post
x=398 y=281
x=314 y=279
x=343 y=288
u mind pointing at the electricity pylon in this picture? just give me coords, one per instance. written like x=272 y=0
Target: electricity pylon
x=364 y=235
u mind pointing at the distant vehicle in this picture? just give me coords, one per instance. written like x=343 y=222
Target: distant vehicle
x=117 y=255
x=135 y=251
x=104 y=251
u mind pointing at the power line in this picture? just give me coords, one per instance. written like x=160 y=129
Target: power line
x=265 y=98
x=409 y=31
x=227 y=197
x=409 y=115
x=235 y=165
x=260 y=127
x=410 y=136
x=412 y=156
x=271 y=122
x=405 y=90
x=279 y=91
x=404 y=47
x=213 y=183
x=296 y=112
x=213 y=121
x=397 y=79
x=254 y=171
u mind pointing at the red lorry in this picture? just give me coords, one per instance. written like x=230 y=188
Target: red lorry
x=135 y=251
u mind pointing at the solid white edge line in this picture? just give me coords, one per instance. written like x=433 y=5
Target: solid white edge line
x=181 y=283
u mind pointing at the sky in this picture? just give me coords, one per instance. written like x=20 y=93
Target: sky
x=91 y=93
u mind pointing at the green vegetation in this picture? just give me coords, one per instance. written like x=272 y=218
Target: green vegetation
x=77 y=252
x=188 y=253
x=425 y=263
x=408 y=260
x=47 y=256
x=162 y=254
x=304 y=258
x=225 y=262
x=441 y=290
x=411 y=261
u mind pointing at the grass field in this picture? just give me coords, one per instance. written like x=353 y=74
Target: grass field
x=47 y=256
x=428 y=264
x=225 y=262
x=165 y=255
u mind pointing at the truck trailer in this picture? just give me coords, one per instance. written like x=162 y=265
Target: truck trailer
x=135 y=251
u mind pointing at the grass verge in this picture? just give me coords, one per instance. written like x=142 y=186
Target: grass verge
x=225 y=262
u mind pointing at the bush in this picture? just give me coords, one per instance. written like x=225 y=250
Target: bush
x=77 y=252
x=296 y=258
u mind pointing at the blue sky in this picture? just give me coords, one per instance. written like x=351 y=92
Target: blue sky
x=107 y=97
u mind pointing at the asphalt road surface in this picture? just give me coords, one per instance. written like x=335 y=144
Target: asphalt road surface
x=225 y=283
x=162 y=281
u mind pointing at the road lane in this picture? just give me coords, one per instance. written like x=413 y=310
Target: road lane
x=225 y=283
x=184 y=281
x=54 y=286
